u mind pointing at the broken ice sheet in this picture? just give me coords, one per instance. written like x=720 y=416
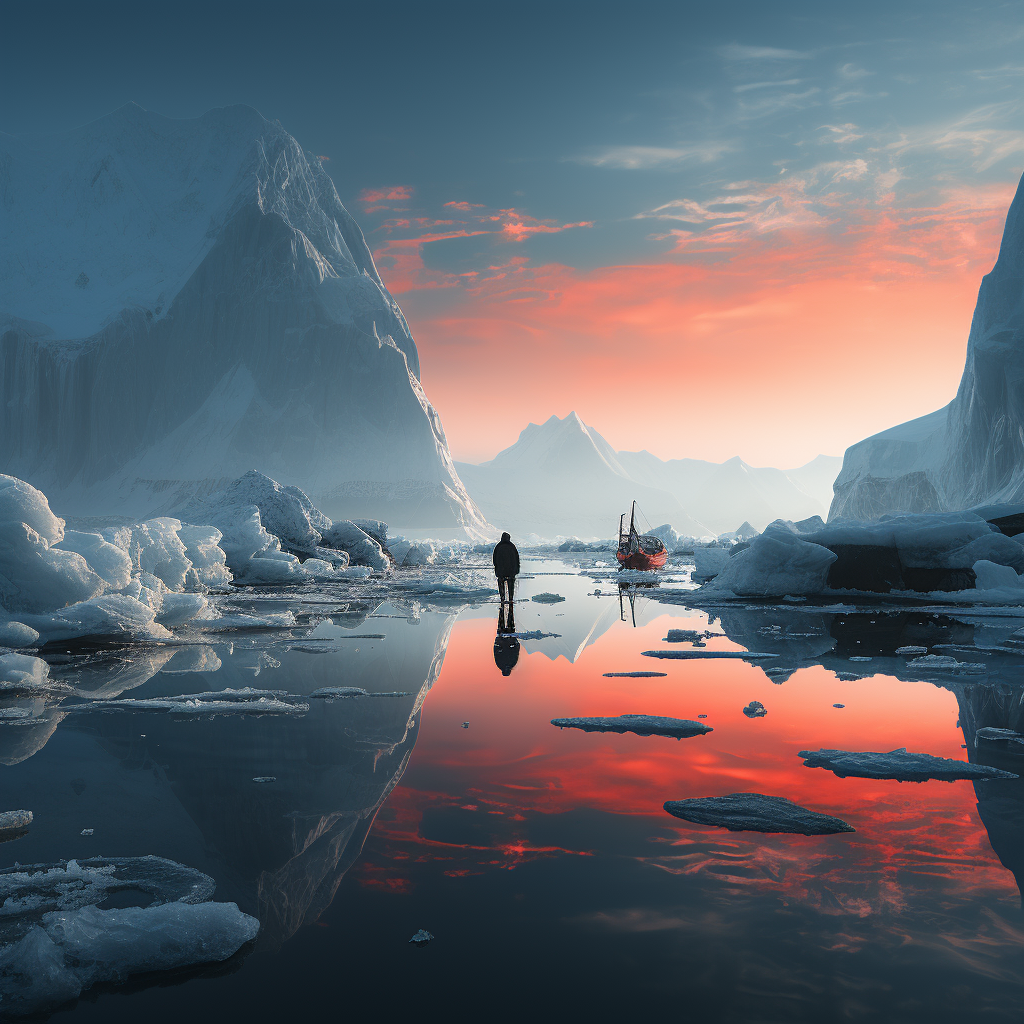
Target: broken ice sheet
x=421 y=938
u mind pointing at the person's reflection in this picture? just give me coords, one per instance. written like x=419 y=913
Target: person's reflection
x=506 y=646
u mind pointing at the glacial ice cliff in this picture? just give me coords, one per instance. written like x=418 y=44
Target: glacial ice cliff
x=184 y=300
x=971 y=452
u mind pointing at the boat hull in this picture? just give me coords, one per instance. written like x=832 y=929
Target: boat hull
x=642 y=560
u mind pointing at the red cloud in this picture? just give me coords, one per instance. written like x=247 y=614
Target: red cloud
x=389 y=193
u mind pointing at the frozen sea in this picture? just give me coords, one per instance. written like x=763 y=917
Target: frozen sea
x=541 y=859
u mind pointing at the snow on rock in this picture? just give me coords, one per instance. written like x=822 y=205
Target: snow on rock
x=899 y=765
x=642 y=725
x=755 y=812
x=114 y=237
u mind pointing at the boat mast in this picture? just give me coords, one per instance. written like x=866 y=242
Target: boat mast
x=622 y=519
x=632 y=530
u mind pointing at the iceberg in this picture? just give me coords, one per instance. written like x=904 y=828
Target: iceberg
x=210 y=263
x=970 y=453
x=755 y=812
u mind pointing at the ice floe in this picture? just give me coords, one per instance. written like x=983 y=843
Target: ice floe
x=547 y=598
x=697 y=655
x=13 y=823
x=755 y=812
x=246 y=701
x=642 y=725
x=633 y=675
x=899 y=765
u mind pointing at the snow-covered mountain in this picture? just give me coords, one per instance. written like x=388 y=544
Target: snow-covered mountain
x=563 y=477
x=972 y=451
x=184 y=300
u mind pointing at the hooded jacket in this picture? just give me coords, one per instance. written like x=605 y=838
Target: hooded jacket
x=505 y=557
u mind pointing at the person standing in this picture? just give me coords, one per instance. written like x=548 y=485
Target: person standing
x=506 y=567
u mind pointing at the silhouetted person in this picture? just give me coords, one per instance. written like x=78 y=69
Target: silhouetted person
x=506 y=567
x=506 y=646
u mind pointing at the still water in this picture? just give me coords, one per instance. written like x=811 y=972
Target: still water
x=542 y=859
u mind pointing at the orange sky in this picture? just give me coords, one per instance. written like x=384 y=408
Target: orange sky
x=798 y=325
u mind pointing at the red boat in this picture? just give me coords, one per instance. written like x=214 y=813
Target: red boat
x=641 y=551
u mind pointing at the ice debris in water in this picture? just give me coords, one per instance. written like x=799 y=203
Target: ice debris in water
x=899 y=765
x=465 y=725
x=692 y=655
x=992 y=734
x=14 y=821
x=859 y=658
x=68 y=952
x=691 y=636
x=945 y=663
x=421 y=938
x=87 y=831
x=633 y=675
x=642 y=725
x=911 y=649
x=245 y=700
x=325 y=629
x=265 y=778
x=24 y=674
x=755 y=709
x=839 y=705
x=340 y=691
x=17 y=634
x=547 y=598
x=755 y=812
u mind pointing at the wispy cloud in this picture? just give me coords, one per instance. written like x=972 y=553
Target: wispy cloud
x=373 y=198
x=840 y=133
x=785 y=83
x=463 y=206
x=636 y=158
x=735 y=51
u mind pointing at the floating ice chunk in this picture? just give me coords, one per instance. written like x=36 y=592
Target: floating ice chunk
x=858 y=657
x=709 y=562
x=946 y=663
x=911 y=649
x=325 y=629
x=533 y=634
x=755 y=709
x=240 y=620
x=339 y=691
x=992 y=576
x=87 y=831
x=776 y=564
x=633 y=675
x=755 y=812
x=246 y=701
x=197 y=658
x=17 y=634
x=265 y=778
x=68 y=885
x=995 y=735
x=697 y=655
x=642 y=725
x=362 y=549
x=899 y=765
x=465 y=725
x=12 y=822
x=547 y=598
x=22 y=673
x=113 y=615
x=421 y=938
x=689 y=636
x=70 y=951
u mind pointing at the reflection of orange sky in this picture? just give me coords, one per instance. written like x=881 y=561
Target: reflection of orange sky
x=512 y=765
x=749 y=333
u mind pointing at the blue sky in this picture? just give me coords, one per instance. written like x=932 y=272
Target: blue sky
x=702 y=151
